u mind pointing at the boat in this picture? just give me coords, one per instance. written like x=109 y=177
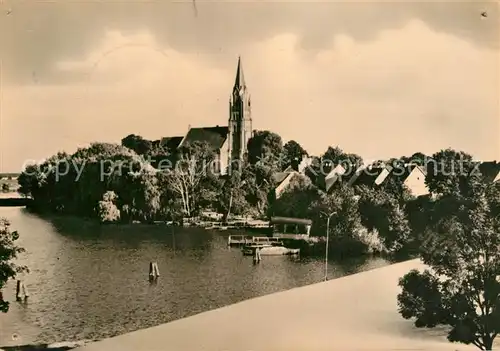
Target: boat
x=250 y=239
x=268 y=250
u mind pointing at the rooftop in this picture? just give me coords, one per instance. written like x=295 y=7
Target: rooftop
x=489 y=170
x=279 y=177
x=214 y=136
x=368 y=176
x=171 y=143
x=401 y=173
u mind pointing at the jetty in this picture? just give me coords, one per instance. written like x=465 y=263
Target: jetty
x=357 y=312
x=236 y=240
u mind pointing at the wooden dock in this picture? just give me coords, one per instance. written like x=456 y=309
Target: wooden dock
x=236 y=240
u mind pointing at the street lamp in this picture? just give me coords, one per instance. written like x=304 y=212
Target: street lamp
x=328 y=216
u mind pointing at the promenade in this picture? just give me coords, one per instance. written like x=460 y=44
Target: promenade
x=358 y=312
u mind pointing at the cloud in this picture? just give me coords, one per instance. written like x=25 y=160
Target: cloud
x=32 y=38
x=409 y=89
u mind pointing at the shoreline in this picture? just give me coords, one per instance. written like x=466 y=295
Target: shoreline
x=340 y=247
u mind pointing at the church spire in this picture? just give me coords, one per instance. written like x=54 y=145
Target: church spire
x=239 y=82
x=240 y=117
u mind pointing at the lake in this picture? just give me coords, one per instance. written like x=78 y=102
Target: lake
x=88 y=281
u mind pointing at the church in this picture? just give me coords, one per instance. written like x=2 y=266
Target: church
x=229 y=142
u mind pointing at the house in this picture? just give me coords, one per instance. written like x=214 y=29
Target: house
x=334 y=177
x=229 y=142
x=301 y=167
x=304 y=164
x=414 y=180
x=282 y=181
x=412 y=176
x=369 y=176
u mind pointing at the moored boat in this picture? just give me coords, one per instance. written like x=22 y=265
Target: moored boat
x=269 y=250
x=235 y=240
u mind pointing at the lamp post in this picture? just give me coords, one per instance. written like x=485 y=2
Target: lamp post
x=328 y=216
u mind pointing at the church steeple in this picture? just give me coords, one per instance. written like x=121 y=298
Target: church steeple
x=240 y=116
x=239 y=82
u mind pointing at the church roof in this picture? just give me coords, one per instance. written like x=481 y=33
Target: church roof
x=214 y=136
x=171 y=143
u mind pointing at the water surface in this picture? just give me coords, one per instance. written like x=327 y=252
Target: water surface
x=90 y=282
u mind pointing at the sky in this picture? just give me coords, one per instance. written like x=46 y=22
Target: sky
x=380 y=79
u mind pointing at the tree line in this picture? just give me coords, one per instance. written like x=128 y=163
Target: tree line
x=385 y=218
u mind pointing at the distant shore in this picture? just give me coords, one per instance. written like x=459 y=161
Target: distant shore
x=59 y=346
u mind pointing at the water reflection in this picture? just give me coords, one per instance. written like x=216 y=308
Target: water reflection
x=90 y=281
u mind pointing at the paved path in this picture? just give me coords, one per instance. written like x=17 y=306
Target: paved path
x=357 y=312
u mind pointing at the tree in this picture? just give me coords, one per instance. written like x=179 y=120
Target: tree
x=381 y=211
x=448 y=171
x=8 y=253
x=258 y=186
x=333 y=156
x=346 y=220
x=5 y=187
x=461 y=289
x=137 y=143
x=419 y=159
x=231 y=197
x=30 y=180
x=159 y=156
x=108 y=212
x=348 y=236
x=265 y=147
x=75 y=184
x=293 y=154
x=171 y=206
x=296 y=200
x=192 y=169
